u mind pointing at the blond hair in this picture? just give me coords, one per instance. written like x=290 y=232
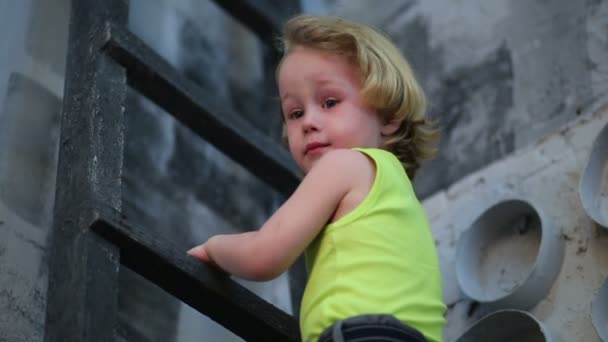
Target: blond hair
x=388 y=82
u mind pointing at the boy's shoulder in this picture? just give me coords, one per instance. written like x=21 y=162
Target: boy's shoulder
x=347 y=165
x=345 y=159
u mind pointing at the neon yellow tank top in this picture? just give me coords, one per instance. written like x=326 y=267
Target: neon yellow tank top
x=379 y=258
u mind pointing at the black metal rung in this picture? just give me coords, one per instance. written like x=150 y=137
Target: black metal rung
x=151 y=75
x=209 y=291
x=265 y=24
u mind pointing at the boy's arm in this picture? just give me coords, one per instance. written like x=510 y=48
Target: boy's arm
x=266 y=253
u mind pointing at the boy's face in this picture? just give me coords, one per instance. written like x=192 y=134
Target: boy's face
x=322 y=106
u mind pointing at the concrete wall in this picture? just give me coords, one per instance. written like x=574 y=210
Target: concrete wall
x=31 y=87
x=503 y=78
x=547 y=175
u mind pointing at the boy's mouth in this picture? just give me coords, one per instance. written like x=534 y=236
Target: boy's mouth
x=314 y=148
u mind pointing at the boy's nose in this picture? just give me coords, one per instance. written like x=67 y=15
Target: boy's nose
x=311 y=122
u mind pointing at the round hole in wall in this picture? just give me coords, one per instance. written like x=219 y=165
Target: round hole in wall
x=594 y=180
x=507 y=326
x=509 y=257
x=599 y=312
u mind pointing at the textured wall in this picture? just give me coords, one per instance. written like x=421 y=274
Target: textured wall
x=547 y=175
x=31 y=86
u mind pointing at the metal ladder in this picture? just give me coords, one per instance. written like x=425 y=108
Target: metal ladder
x=90 y=239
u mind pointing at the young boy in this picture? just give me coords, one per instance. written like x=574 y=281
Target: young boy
x=354 y=121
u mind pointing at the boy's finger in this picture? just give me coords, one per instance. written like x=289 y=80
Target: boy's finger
x=199 y=253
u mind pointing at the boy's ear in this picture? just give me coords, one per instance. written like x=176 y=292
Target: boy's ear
x=390 y=128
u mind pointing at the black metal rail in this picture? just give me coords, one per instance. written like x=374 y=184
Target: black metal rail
x=257 y=16
x=89 y=240
x=156 y=79
x=206 y=290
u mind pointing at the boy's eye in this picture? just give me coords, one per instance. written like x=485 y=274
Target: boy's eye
x=296 y=114
x=329 y=103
